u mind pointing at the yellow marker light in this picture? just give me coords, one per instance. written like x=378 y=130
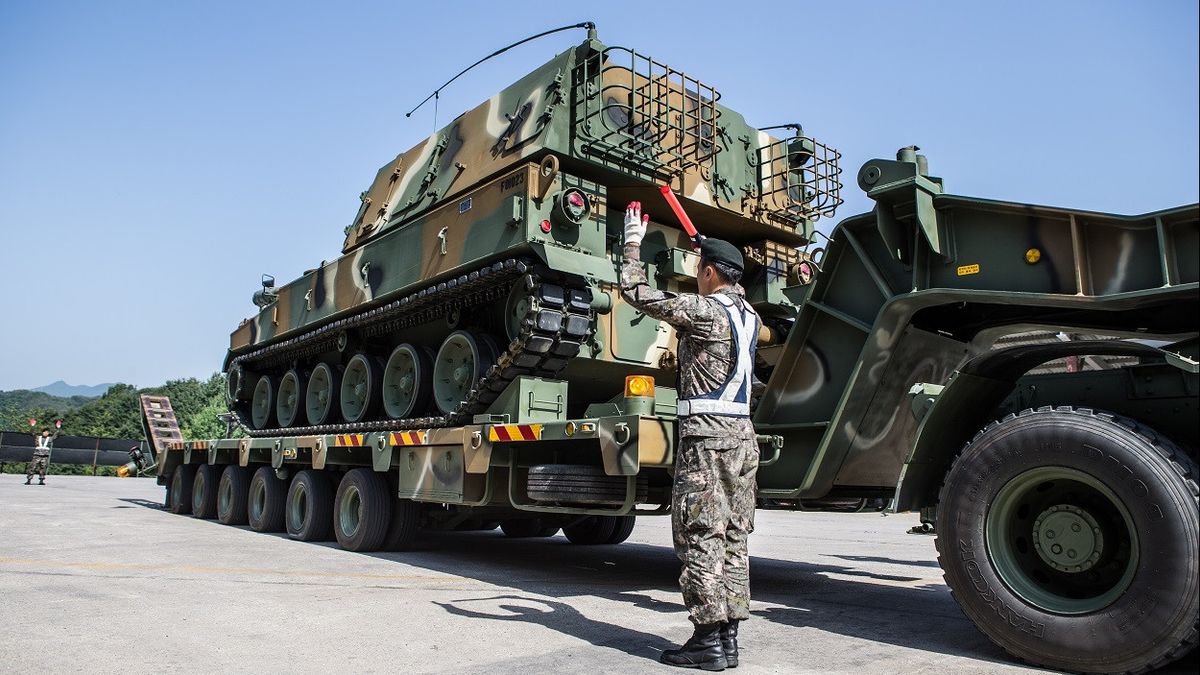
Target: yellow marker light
x=1032 y=256
x=639 y=386
x=569 y=429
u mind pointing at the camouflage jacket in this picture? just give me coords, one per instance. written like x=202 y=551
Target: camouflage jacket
x=705 y=343
x=44 y=451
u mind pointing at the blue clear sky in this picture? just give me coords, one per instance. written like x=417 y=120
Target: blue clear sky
x=157 y=157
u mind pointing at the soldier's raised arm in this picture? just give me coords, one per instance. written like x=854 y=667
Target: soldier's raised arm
x=685 y=311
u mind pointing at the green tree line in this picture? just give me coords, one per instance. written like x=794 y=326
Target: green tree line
x=117 y=414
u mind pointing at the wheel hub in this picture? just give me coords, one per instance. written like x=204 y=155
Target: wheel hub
x=1068 y=538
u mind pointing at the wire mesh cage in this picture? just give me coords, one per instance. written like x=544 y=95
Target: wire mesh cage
x=799 y=179
x=637 y=110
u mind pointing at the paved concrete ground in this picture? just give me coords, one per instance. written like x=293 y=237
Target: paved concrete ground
x=95 y=578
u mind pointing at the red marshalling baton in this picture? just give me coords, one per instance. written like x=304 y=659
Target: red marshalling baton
x=681 y=214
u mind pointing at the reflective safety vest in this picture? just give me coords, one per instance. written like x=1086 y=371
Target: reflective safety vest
x=732 y=398
x=43 y=444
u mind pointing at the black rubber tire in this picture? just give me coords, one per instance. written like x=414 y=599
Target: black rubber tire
x=204 y=491
x=308 y=514
x=373 y=513
x=579 y=484
x=181 y=489
x=591 y=531
x=1154 y=620
x=273 y=491
x=622 y=529
x=233 y=490
x=522 y=528
x=404 y=526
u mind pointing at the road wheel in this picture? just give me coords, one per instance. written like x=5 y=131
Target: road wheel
x=1070 y=538
x=309 y=512
x=622 y=529
x=204 y=491
x=232 y=493
x=404 y=526
x=362 y=510
x=181 y=489
x=591 y=530
x=267 y=501
x=527 y=527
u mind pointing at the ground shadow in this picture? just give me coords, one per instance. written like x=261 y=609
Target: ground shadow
x=145 y=503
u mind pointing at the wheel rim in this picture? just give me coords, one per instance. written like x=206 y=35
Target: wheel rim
x=406 y=381
x=224 y=496
x=1061 y=540
x=262 y=403
x=359 y=387
x=198 y=492
x=297 y=508
x=458 y=368
x=350 y=511
x=516 y=308
x=322 y=391
x=291 y=393
x=258 y=500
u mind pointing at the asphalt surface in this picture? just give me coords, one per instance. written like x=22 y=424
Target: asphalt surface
x=95 y=578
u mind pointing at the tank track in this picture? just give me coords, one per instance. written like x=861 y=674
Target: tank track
x=557 y=324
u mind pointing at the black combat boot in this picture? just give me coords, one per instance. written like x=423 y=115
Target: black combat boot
x=729 y=642
x=28 y=479
x=702 y=650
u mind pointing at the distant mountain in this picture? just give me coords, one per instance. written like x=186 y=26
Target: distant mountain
x=65 y=390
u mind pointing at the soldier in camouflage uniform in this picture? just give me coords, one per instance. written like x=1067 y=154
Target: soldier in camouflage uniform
x=717 y=462
x=42 y=444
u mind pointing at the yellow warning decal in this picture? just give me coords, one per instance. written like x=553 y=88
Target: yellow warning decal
x=407 y=437
x=968 y=269
x=508 y=433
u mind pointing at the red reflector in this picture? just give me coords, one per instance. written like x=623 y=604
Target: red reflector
x=575 y=199
x=545 y=226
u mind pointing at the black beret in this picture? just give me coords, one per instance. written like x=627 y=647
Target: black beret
x=721 y=251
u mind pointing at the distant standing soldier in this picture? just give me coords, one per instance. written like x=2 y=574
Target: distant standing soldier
x=42 y=445
x=716 y=466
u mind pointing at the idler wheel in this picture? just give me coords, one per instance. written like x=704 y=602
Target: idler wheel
x=290 y=397
x=461 y=361
x=361 y=382
x=320 y=400
x=407 y=381
x=262 y=403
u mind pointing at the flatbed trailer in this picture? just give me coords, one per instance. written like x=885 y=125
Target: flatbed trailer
x=1065 y=503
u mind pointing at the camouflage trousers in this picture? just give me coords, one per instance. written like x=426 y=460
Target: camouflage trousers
x=712 y=516
x=38 y=465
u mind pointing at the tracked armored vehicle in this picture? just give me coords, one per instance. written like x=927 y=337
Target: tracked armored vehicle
x=468 y=361
x=486 y=252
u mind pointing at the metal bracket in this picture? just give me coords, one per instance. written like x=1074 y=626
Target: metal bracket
x=442 y=238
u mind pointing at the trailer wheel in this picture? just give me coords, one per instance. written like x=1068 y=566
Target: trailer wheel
x=362 y=510
x=266 y=501
x=309 y=513
x=622 y=529
x=181 y=489
x=232 y=493
x=527 y=527
x=404 y=525
x=204 y=491
x=591 y=530
x=1070 y=538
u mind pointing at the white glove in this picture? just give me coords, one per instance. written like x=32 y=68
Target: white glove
x=635 y=223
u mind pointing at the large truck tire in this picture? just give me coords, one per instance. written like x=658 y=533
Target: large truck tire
x=404 y=526
x=362 y=510
x=232 y=492
x=181 y=489
x=591 y=530
x=309 y=512
x=528 y=527
x=204 y=491
x=622 y=529
x=266 y=501
x=1070 y=537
